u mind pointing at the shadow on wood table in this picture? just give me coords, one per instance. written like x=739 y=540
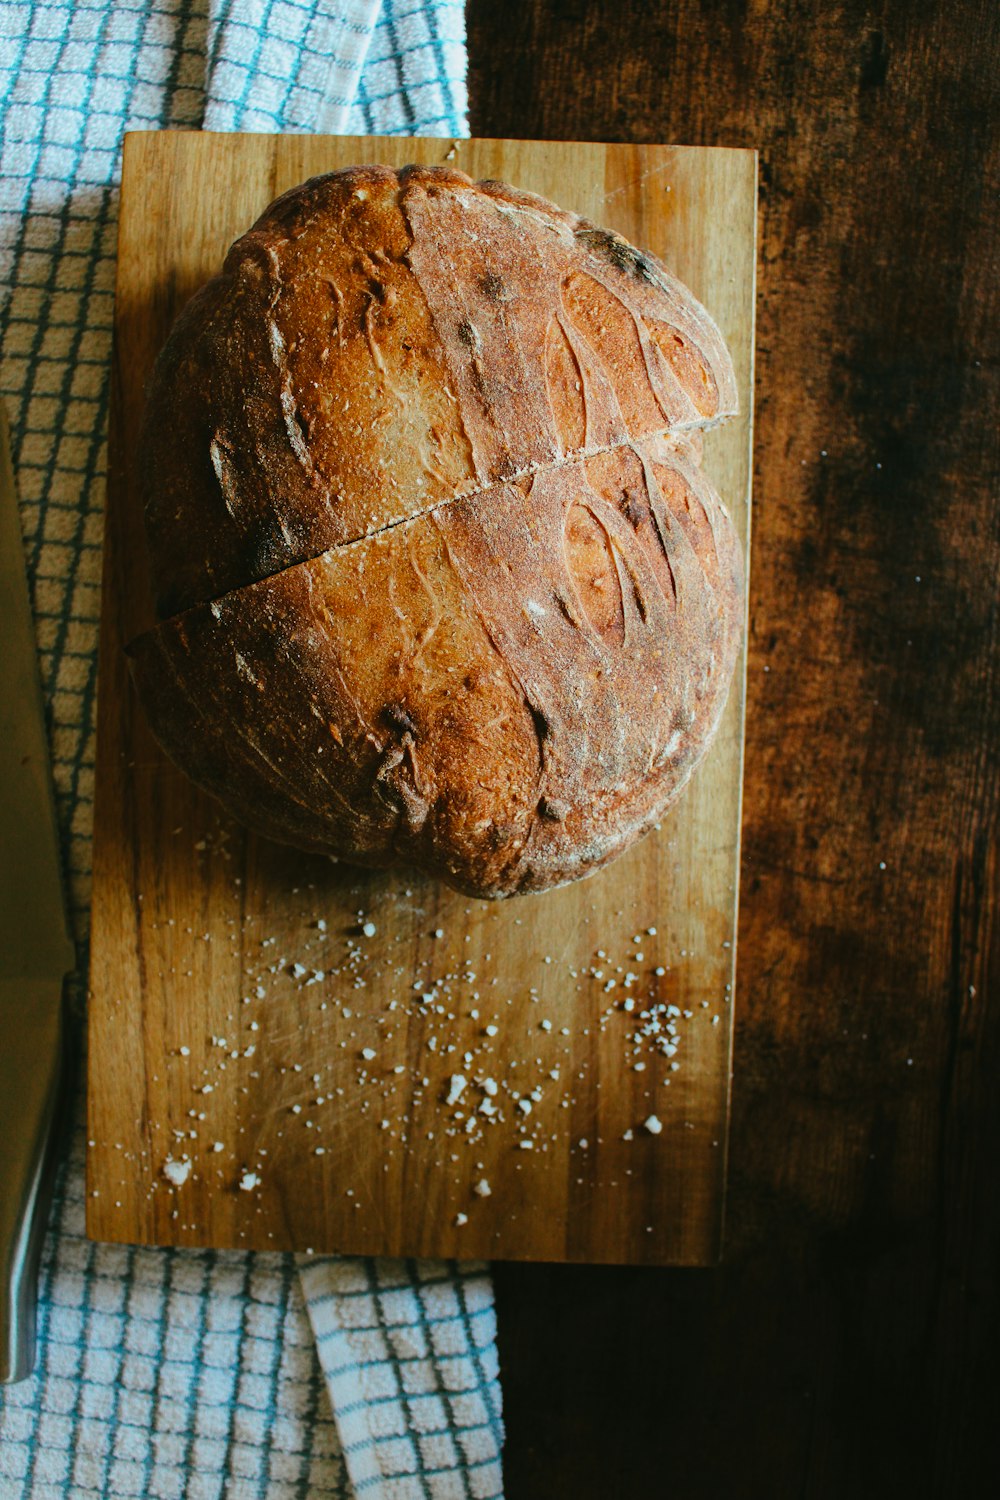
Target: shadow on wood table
x=848 y=1345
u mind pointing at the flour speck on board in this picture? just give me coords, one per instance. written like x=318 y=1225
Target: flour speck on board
x=456 y=1088
x=441 y=1053
x=176 y=1172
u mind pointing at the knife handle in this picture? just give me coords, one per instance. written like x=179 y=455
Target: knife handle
x=33 y=1074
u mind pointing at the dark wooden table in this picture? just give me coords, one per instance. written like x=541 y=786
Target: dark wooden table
x=849 y=1345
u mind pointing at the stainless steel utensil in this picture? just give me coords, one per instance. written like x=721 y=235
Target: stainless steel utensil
x=35 y=952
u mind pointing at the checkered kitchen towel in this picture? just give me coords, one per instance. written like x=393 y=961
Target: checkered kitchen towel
x=199 y=1374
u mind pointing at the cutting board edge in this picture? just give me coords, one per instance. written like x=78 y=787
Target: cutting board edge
x=739 y=688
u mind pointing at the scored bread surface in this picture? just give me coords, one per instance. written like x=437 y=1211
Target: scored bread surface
x=441 y=577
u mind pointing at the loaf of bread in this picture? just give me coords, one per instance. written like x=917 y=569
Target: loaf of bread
x=439 y=576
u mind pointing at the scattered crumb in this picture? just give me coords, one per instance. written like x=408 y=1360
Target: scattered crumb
x=456 y=1088
x=176 y=1172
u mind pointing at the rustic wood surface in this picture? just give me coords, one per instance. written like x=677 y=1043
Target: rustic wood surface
x=848 y=1346
x=255 y=1018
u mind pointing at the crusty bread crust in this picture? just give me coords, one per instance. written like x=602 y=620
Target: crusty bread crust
x=443 y=579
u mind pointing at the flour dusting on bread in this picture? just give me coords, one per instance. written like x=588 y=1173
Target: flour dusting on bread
x=440 y=575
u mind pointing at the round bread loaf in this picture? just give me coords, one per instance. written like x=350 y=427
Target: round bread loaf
x=440 y=578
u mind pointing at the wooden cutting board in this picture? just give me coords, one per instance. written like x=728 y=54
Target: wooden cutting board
x=273 y=1039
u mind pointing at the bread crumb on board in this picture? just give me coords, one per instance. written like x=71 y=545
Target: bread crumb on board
x=497 y=1069
x=176 y=1172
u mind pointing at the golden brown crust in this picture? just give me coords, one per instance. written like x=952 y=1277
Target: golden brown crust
x=507 y=690
x=445 y=581
x=380 y=342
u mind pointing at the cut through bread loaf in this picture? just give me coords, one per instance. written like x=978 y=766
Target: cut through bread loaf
x=440 y=577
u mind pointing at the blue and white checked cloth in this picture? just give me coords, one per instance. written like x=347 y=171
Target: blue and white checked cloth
x=175 y=1373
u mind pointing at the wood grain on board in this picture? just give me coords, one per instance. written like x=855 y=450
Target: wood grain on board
x=291 y=1028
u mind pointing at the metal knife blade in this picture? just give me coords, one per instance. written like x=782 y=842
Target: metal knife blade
x=35 y=951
